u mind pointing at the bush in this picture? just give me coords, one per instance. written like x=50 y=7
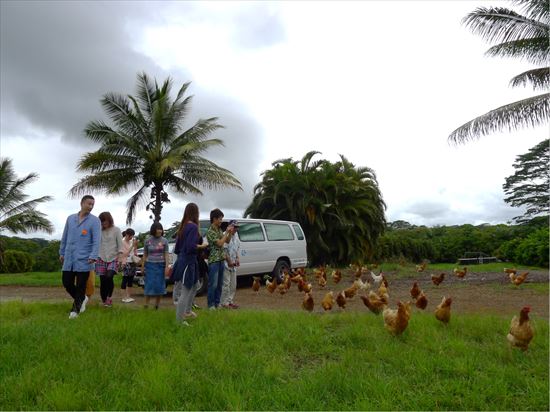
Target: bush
x=16 y=261
x=47 y=259
x=533 y=250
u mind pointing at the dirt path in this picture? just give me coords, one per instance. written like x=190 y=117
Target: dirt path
x=489 y=293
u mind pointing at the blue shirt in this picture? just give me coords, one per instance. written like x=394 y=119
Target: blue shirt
x=80 y=242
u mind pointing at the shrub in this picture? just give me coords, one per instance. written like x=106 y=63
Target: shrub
x=533 y=250
x=16 y=261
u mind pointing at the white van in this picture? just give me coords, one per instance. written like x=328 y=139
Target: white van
x=268 y=246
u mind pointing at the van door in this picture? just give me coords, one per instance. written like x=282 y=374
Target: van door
x=254 y=253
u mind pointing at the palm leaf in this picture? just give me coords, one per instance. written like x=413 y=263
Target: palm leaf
x=538 y=78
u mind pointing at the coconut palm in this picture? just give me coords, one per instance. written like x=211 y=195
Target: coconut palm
x=523 y=36
x=148 y=151
x=18 y=215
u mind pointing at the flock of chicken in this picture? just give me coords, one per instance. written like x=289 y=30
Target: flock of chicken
x=374 y=292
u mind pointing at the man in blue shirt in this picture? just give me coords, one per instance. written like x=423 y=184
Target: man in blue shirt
x=78 y=252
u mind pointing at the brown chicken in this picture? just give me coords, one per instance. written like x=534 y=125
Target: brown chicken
x=460 y=273
x=519 y=279
x=328 y=301
x=415 y=290
x=421 y=301
x=336 y=276
x=271 y=286
x=308 y=303
x=397 y=320
x=510 y=270
x=306 y=287
x=350 y=292
x=443 y=310
x=296 y=278
x=436 y=280
x=421 y=267
x=383 y=292
x=286 y=281
x=256 y=284
x=374 y=302
x=322 y=282
x=282 y=289
x=341 y=300
x=521 y=331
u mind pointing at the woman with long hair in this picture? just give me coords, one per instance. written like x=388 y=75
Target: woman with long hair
x=186 y=271
x=110 y=251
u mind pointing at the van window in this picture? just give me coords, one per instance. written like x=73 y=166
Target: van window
x=203 y=226
x=298 y=231
x=278 y=232
x=251 y=232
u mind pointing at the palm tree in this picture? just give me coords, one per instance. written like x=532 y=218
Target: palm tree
x=523 y=36
x=338 y=205
x=149 y=151
x=18 y=215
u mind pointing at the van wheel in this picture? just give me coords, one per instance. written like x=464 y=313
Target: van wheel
x=202 y=285
x=279 y=269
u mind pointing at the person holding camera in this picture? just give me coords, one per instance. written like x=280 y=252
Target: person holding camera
x=231 y=264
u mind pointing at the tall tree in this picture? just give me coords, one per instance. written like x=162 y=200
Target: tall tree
x=529 y=184
x=148 y=149
x=523 y=36
x=18 y=215
x=338 y=205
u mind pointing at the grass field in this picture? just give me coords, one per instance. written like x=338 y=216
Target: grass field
x=134 y=359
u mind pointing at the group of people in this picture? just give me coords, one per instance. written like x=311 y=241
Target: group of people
x=93 y=244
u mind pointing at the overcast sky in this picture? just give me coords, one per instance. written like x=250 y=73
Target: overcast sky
x=381 y=82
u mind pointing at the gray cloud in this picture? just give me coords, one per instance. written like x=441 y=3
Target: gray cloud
x=258 y=27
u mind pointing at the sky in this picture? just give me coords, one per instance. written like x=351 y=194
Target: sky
x=383 y=83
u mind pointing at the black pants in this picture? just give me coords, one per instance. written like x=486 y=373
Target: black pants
x=78 y=290
x=106 y=285
x=127 y=281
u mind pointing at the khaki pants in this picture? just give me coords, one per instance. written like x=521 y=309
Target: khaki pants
x=90 y=286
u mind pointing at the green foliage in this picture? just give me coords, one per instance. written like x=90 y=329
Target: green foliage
x=338 y=205
x=523 y=36
x=16 y=261
x=47 y=259
x=532 y=250
x=149 y=150
x=529 y=184
x=275 y=361
x=45 y=253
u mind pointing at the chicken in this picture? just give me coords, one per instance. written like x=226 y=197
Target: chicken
x=320 y=272
x=328 y=301
x=443 y=310
x=421 y=267
x=508 y=270
x=415 y=290
x=336 y=276
x=377 y=279
x=384 y=280
x=460 y=273
x=383 y=292
x=521 y=331
x=271 y=286
x=421 y=301
x=322 y=282
x=397 y=320
x=436 y=280
x=350 y=292
x=296 y=278
x=286 y=281
x=256 y=284
x=341 y=300
x=282 y=289
x=519 y=279
x=362 y=285
x=374 y=302
x=308 y=303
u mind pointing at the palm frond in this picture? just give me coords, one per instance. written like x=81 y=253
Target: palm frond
x=140 y=197
x=535 y=9
x=538 y=78
x=533 y=50
x=26 y=222
x=529 y=112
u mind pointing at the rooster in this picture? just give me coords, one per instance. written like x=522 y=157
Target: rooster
x=308 y=303
x=397 y=320
x=336 y=276
x=256 y=284
x=460 y=273
x=421 y=301
x=519 y=279
x=415 y=290
x=443 y=310
x=341 y=300
x=374 y=302
x=328 y=301
x=436 y=280
x=521 y=331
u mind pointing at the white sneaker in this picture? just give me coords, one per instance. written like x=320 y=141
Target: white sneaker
x=73 y=315
x=83 y=306
x=128 y=300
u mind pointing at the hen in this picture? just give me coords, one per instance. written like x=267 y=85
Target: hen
x=421 y=267
x=436 y=280
x=336 y=276
x=350 y=292
x=415 y=290
x=308 y=303
x=328 y=301
x=271 y=286
x=421 y=301
x=397 y=320
x=322 y=282
x=383 y=292
x=460 y=273
x=256 y=284
x=521 y=332
x=510 y=270
x=374 y=302
x=341 y=300
x=519 y=279
x=443 y=310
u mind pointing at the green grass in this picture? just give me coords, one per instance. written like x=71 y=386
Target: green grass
x=134 y=359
